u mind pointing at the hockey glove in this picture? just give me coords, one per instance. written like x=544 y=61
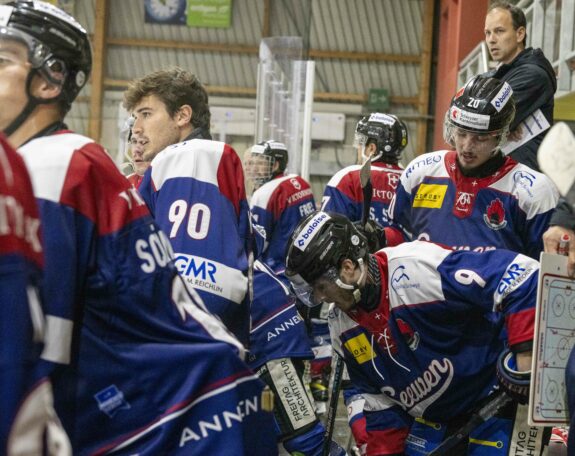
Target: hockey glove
x=515 y=383
x=374 y=234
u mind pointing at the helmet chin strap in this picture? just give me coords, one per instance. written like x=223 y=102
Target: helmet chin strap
x=30 y=106
x=355 y=288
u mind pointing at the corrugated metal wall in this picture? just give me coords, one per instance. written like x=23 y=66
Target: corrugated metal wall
x=376 y=34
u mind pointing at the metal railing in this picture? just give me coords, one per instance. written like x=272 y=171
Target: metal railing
x=550 y=26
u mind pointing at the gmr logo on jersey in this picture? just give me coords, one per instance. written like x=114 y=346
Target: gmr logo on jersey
x=311 y=230
x=514 y=276
x=502 y=97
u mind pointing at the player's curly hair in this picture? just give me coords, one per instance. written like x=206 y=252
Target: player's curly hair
x=175 y=87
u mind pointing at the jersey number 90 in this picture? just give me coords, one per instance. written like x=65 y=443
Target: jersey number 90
x=198 y=219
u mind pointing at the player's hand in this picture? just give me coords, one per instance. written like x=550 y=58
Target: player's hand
x=374 y=234
x=551 y=240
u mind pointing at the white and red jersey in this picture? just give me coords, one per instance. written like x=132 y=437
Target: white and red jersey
x=139 y=366
x=509 y=209
x=278 y=206
x=195 y=191
x=343 y=193
x=427 y=352
x=26 y=411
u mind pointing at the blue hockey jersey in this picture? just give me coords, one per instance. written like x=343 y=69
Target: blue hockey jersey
x=429 y=349
x=195 y=191
x=139 y=367
x=278 y=330
x=26 y=408
x=278 y=206
x=343 y=193
x=510 y=209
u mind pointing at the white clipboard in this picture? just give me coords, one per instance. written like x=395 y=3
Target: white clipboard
x=533 y=125
x=553 y=342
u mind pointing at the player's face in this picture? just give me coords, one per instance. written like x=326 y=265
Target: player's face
x=503 y=41
x=14 y=69
x=137 y=152
x=325 y=290
x=258 y=168
x=154 y=128
x=473 y=149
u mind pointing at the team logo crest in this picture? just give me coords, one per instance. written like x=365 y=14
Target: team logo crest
x=409 y=335
x=495 y=215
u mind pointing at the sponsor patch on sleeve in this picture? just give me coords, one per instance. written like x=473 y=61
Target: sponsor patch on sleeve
x=430 y=196
x=360 y=348
x=515 y=275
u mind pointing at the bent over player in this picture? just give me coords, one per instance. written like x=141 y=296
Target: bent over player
x=412 y=323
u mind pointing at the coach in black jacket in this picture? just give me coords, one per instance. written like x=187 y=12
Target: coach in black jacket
x=529 y=73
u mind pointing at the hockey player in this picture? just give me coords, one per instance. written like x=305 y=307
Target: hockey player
x=138 y=163
x=28 y=424
x=380 y=138
x=138 y=367
x=279 y=200
x=493 y=201
x=195 y=190
x=412 y=323
x=278 y=348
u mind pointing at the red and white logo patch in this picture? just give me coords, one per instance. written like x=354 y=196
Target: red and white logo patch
x=495 y=215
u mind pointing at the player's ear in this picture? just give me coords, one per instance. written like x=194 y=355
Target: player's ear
x=184 y=115
x=43 y=89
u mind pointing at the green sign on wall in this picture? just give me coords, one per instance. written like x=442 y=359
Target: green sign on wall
x=209 y=13
x=378 y=99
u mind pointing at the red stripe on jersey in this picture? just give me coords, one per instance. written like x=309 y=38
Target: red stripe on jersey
x=19 y=219
x=95 y=188
x=231 y=177
x=520 y=326
x=389 y=441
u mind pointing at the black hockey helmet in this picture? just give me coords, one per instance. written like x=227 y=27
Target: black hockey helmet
x=316 y=249
x=321 y=241
x=58 y=46
x=273 y=152
x=484 y=106
x=387 y=132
